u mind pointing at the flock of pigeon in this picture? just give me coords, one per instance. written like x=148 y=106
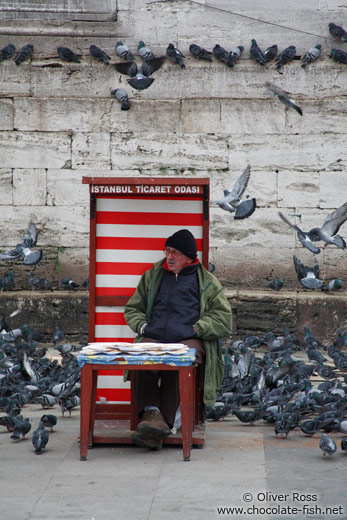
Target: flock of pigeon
x=278 y=386
x=28 y=377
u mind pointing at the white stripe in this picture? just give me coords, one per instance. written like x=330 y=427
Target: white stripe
x=113 y=331
x=103 y=308
x=116 y=280
x=112 y=382
x=136 y=231
x=129 y=256
x=150 y=205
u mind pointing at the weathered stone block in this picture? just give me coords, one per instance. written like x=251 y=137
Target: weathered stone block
x=304 y=152
x=6 y=114
x=201 y=116
x=70 y=80
x=51 y=114
x=29 y=187
x=332 y=189
x=34 y=149
x=298 y=189
x=5 y=186
x=91 y=150
x=251 y=117
x=168 y=151
x=158 y=116
x=14 y=80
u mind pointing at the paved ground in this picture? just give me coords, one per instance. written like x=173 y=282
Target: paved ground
x=130 y=483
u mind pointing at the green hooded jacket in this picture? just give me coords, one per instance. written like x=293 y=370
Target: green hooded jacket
x=214 y=322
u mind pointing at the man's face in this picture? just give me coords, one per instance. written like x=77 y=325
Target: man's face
x=176 y=261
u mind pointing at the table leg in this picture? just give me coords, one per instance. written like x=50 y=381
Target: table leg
x=86 y=399
x=185 y=382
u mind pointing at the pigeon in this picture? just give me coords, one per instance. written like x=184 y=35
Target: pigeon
x=21 y=428
x=270 y=53
x=67 y=54
x=139 y=77
x=86 y=283
x=283 y=96
x=25 y=249
x=276 y=284
x=211 y=267
x=344 y=444
x=7 y=283
x=303 y=237
x=199 y=52
x=24 y=54
x=68 y=403
x=285 y=56
x=235 y=53
x=175 y=55
x=339 y=56
x=5 y=324
x=46 y=400
x=337 y=32
x=257 y=53
x=232 y=199
x=222 y=55
x=40 y=438
x=331 y=225
x=327 y=445
x=49 y=420
x=7 y=52
x=122 y=97
x=68 y=284
x=123 y=51
x=99 y=54
x=333 y=285
x=307 y=276
x=145 y=52
x=58 y=335
x=248 y=417
x=218 y=411
x=311 y=55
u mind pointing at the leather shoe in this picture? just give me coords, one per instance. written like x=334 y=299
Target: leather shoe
x=152 y=444
x=153 y=426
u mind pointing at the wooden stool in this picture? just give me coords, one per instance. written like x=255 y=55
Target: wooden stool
x=90 y=414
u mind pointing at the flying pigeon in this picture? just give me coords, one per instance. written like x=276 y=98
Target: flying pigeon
x=222 y=55
x=283 y=96
x=235 y=53
x=145 y=52
x=232 y=199
x=257 y=53
x=25 y=53
x=24 y=250
x=327 y=445
x=339 y=56
x=122 y=97
x=311 y=55
x=337 y=32
x=123 y=51
x=40 y=438
x=331 y=225
x=308 y=276
x=67 y=54
x=99 y=54
x=303 y=237
x=175 y=55
x=270 y=53
x=139 y=77
x=199 y=52
x=285 y=56
x=7 y=52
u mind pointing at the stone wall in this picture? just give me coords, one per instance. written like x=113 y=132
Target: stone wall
x=59 y=123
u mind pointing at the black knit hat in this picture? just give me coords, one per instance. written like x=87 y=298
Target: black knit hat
x=184 y=242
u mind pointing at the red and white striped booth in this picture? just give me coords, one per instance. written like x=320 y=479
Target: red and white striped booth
x=130 y=219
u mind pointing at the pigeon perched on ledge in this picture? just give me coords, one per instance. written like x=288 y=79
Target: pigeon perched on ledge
x=24 y=53
x=99 y=54
x=7 y=52
x=285 y=56
x=175 y=55
x=311 y=55
x=199 y=52
x=67 y=54
x=337 y=32
x=123 y=51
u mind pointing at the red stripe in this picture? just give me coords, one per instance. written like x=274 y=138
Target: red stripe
x=115 y=291
x=110 y=372
x=109 y=318
x=127 y=340
x=122 y=267
x=135 y=243
x=116 y=394
x=150 y=219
